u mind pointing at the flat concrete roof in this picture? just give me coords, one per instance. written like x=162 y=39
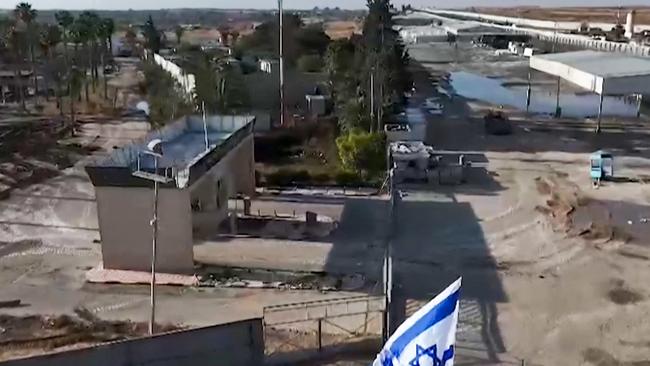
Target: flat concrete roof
x=185 y=155
x=599 y=72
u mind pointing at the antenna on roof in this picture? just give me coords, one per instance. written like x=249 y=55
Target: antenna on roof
x=205 y=126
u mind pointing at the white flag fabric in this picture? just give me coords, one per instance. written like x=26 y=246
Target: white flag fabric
x=427 y=337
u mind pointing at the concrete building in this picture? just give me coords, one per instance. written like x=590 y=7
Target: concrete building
x=206 y=163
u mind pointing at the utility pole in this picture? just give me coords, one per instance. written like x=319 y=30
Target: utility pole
x=372 y=98
x=281 y=66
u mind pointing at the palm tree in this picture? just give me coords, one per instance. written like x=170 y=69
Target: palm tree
x=24 y=13
x=64 y=19
x=78 y=36
x=179 y=34
x=14 y=42
x=76 y=79
x=90 y=26
x=49 y=38
x=106 y=30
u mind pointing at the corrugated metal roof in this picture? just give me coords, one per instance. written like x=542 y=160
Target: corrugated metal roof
x=604 y=64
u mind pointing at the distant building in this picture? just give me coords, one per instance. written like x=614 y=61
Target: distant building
x=203 y=178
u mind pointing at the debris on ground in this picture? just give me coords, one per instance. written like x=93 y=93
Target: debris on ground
x=576 y=215
x=22 y=336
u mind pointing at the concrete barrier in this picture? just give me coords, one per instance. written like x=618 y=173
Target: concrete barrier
x=186 y=81
x=237 y=343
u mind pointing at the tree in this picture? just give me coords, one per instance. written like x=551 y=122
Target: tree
x=15 y=44
x=25 y=14
x=151 y=36
x=179 y=33
x=353 y=115
x=105 y=33
x=232 y=94
x=362 y=152
x=130 y=36
x=79 y=35
x=310 y=63
x=90 y=24
x=339 y=60
x=50 y=37
x=64 y=19
x=312 y=39
x=76 y=81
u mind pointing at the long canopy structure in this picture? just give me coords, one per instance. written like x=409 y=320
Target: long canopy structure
x=603 y=73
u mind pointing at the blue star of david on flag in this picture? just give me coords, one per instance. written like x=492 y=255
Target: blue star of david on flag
x=428 y=336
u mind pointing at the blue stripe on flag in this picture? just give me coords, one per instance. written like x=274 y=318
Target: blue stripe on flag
x=435 y=315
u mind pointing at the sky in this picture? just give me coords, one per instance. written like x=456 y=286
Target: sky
x=295 y=4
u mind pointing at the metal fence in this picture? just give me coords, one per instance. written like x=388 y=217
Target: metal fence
x=302 y=330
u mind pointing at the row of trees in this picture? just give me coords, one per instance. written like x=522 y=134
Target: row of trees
x=362 y=104
x=299 y=41
x=68 y=53
x=219 y=85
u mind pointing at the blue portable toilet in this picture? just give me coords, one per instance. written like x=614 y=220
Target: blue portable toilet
x=602 y=165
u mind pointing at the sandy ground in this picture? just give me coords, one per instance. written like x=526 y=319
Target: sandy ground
x=576 y=14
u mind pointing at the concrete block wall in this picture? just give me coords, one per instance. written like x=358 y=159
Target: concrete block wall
x=237 y=344
x=124 y=214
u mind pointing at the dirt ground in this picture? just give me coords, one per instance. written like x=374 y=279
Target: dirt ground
x=572 y=14
x=22 y=336
x=557 y=265
x=342 y=29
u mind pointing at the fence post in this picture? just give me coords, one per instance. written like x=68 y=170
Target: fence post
x=320 y=330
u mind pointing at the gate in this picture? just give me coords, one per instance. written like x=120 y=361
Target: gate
x=307 y=329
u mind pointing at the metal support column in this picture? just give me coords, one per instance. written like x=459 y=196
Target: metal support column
x=639 y=100
x=600 y=112
x=528 y=92
x=557 y=99
x=281 y=52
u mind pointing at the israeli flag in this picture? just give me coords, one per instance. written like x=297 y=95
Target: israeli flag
x=428 y=336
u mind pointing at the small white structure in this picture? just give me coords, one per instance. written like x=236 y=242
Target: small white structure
x=316 y=104
x=629 y=24
x=269 y=66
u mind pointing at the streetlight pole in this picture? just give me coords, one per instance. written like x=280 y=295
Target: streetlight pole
x=154 y=149
x=281 y=65
x=154 y=224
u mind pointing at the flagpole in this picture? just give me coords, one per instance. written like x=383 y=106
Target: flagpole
x=388 y=259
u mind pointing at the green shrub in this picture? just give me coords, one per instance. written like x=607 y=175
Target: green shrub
x=362 y=152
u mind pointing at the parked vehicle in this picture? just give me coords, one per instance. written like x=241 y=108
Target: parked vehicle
x=497 y=123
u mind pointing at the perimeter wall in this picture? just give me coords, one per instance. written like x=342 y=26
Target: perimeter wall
x=237 y=344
